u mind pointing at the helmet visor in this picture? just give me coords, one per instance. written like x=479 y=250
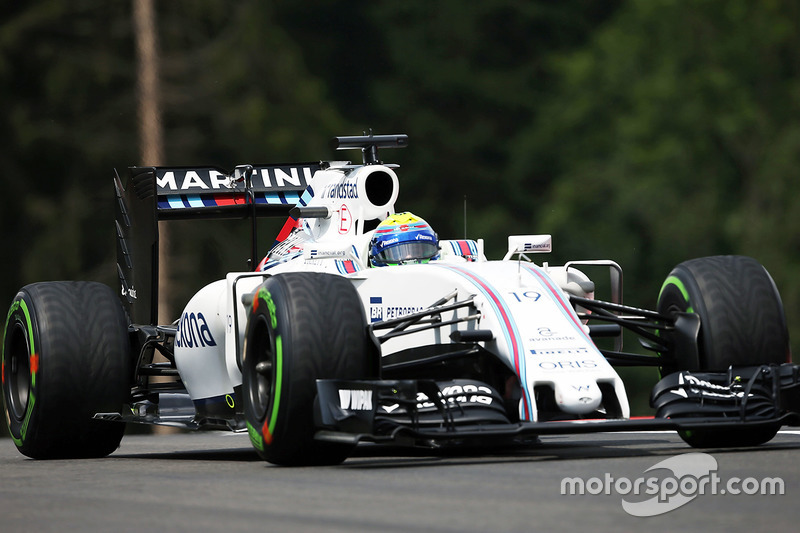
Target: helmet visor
x=406 y=252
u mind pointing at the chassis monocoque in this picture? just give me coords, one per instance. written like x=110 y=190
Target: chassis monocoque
x=314 y=351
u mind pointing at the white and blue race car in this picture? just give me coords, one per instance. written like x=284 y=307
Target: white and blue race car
x=360 y=325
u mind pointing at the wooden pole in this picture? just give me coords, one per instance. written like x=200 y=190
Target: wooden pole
x=150 y=129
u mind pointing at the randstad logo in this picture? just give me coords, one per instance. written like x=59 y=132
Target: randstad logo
x=672 y=483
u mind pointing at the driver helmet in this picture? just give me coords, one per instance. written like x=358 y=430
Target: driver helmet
x=403 y=238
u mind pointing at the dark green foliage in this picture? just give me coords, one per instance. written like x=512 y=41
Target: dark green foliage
x=674 y=134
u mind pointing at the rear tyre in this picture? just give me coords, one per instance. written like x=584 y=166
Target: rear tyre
x=742 y=323
x=303 y=326
x=65 y=358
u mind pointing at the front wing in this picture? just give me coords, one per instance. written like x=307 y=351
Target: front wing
x=438 y=413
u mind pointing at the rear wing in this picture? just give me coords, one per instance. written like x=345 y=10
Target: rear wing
x=264 y=190
x=146 y=195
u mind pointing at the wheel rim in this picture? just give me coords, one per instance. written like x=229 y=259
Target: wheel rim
x=18 y=371
x=261 y=367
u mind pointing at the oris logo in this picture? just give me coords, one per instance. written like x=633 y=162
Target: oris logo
x=563 y=365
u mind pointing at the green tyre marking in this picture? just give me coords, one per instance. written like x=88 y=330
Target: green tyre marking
x=276 y=394
x=24 y=430
x=20 y=304
x=265 y=295
x=30 y=338
x=673 y=280
x=278 y=379
x=255 y=437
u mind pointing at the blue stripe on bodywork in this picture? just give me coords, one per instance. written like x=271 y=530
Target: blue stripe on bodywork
x=511 y=332
x=175 y=202
x=559 y=297
x=194 y=200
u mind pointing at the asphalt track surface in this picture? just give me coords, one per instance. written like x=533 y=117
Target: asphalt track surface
x=215 y=482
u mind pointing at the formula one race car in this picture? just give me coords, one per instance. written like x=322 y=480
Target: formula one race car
x=360 y=325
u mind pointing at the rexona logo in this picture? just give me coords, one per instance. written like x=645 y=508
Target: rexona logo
x=193 y=332
x=355 y=400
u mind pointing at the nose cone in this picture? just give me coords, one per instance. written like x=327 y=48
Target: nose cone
x=578 y=397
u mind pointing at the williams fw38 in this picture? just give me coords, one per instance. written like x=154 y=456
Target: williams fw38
x=362 y=325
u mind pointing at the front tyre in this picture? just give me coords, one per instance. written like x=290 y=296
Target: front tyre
x=65 y=358
x=303 y=326
x=742 y=323
x=741 y=313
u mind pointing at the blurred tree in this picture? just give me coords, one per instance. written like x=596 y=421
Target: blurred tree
x=235 y=90
x=342 y=45
x=465 y=82
x=674 y=134
x=65 y=72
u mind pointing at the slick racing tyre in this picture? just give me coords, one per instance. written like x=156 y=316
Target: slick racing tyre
x=302 y=327
x=65 y=358
x=742 y=323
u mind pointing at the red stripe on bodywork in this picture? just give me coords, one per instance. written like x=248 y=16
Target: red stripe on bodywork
x=290 y=224
x=238 y=199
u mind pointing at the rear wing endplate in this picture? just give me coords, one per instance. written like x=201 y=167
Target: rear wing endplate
x=146 y=195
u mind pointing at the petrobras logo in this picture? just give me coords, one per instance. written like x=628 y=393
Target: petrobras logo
x=375 y=308
x=398 y=311
x=378 y=311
